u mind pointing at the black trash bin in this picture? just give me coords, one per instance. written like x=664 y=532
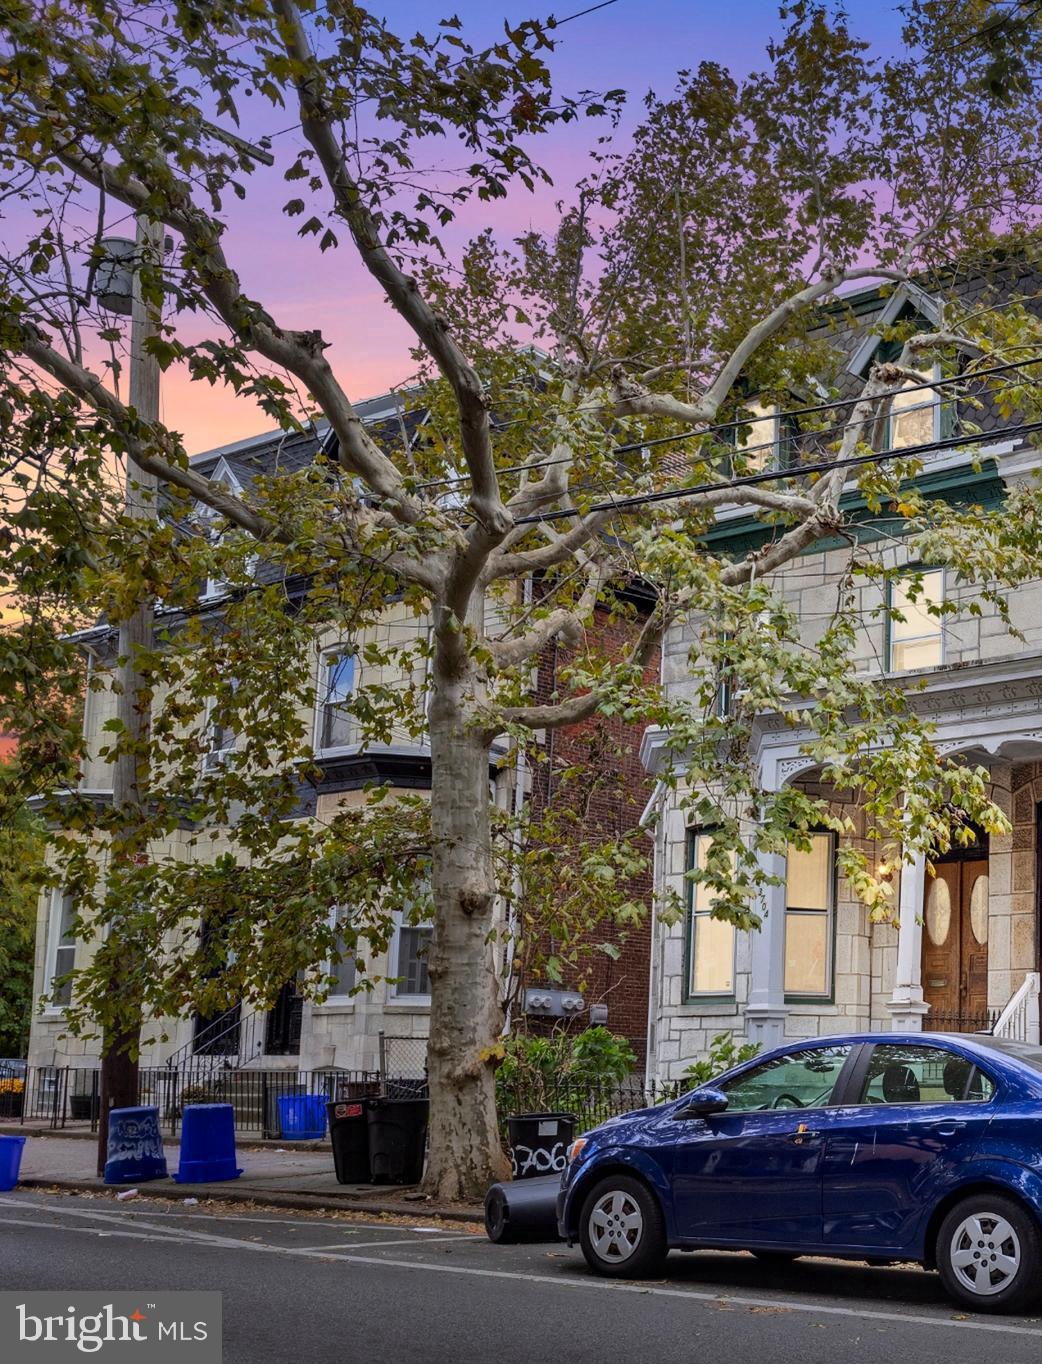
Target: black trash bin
x=349 y=1133
x=523 y=1211
x=397 y=1139
x=539 y=1143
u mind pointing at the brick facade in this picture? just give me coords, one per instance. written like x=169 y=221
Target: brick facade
x=610 y=749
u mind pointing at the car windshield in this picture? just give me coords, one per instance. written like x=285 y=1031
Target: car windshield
x=804 y=1079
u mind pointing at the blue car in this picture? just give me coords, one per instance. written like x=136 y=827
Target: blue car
x=877 y=1147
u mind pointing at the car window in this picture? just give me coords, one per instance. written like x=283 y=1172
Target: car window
x=801 y=1079
x=900 y=1074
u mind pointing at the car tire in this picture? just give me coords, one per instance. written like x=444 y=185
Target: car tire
x=621 y=1229
x=989 y=1254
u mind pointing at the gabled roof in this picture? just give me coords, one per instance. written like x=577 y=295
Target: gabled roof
x=905 y=297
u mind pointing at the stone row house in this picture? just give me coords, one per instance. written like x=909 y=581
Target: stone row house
x=385 y=1027
x=963 y=953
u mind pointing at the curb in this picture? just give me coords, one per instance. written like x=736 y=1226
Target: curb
x=273 y=1199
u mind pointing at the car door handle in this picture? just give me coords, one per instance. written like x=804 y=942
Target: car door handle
x=801 y=1135
x=947 y=1127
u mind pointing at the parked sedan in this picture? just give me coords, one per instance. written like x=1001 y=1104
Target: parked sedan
x=876 y=1147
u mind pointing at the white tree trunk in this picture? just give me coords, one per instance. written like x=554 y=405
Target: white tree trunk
x=466 y=1154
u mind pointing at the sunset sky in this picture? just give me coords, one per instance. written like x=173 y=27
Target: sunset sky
x=631 y=44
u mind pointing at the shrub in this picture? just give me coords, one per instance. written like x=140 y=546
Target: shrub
x=724 y=1053
x=534 y=1070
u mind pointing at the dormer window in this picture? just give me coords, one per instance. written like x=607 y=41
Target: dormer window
x=337 y=685
x=917 y=415
x=913 y=416
x=213 y=527
x=763 y=441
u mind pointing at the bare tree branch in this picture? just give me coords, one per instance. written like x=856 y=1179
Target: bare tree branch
x=141 y=451
x=401 y=290
x=578 y=708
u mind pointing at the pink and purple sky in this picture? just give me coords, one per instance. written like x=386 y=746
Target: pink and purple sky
x=633 y=44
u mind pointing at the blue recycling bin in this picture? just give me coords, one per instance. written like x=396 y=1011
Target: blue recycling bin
x=10 y=1160
x=302 y=1117
x=207 y=1144
x=135 y=1148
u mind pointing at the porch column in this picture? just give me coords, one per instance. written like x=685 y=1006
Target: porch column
x=906 y=1005
x=766 y=1010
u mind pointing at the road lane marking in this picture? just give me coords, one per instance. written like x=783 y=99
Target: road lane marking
x=397 y=1241
x=119 y=1219
x=169 y=1239
x=604 y=1285
x=170 y=1210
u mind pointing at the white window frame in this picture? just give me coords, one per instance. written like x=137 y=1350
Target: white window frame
x=325 y=657
x=911 y=571
x=398 y=996
x=54 y=945
x=341 y=1001
x=215 y=756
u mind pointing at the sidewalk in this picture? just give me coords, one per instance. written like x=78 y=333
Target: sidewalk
x=278 y=1176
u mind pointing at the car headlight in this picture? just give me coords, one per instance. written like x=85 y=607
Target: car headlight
x=576 y=1146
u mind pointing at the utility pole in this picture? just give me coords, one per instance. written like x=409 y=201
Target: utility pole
x=119 y=1062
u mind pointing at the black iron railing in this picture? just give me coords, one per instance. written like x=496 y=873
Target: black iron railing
x=955 y=1021
x=61 y=1095
x=591 y=1102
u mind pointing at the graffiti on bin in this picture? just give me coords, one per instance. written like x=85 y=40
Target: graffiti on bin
x=541 y=1161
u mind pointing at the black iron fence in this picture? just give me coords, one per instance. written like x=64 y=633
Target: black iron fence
x=941 y=1021
x=591 y=1102
x=262 y=1100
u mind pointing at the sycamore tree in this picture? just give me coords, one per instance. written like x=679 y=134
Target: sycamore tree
x=569 y=379
x=21 y=873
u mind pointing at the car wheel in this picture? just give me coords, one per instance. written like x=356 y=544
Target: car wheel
x=989 y=1255
x=621 y=1230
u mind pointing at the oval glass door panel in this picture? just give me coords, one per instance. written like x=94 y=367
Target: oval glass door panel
x=938 y=912
x=979 y=909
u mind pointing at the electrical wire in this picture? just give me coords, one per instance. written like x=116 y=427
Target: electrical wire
x=712 y=428
x=774 y=475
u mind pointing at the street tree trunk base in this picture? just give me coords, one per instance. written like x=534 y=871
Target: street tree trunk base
x=466 y=1153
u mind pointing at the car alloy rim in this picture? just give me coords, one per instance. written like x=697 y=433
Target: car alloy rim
x=616 y=1226
x=985 y=1253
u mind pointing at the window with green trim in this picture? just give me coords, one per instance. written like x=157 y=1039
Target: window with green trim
x=710 y=942
x=765 y=440
x=915 y=637
x=810 y=917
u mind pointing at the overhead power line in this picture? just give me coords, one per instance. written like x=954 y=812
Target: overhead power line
x=698 y=433
x=776 y=475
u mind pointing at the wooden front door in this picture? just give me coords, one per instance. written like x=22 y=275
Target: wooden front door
x=955 y=946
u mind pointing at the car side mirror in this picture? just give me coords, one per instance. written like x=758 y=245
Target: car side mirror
x=701 y=1102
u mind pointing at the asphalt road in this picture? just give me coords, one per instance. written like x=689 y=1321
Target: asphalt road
x=317 y=1289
